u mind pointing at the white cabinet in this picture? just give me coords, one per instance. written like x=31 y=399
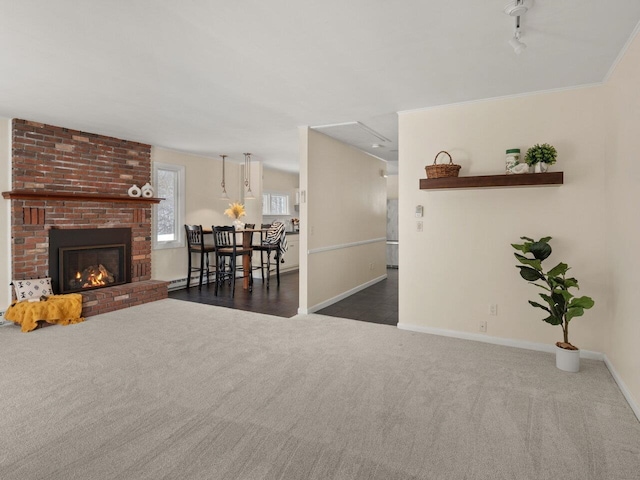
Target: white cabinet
x=292 y=256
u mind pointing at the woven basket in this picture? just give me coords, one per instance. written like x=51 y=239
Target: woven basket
x=441 y=170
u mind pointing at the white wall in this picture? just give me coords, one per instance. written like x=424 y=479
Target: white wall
x=623 y=227
x=463 y=261
x=5 y=213
x=392 y=187
x=203 y=203
x=345 y=204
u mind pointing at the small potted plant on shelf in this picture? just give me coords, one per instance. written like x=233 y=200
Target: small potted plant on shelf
x=541 y=156
x=561 y=305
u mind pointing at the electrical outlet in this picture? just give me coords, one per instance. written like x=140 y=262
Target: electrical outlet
x=419 y=226
x=483 y=326
x=493 y=309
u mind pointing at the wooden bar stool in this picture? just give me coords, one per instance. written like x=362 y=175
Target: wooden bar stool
x=227 y=251
x=195 y=243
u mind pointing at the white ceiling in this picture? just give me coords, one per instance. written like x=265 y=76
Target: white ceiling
x=212 y=77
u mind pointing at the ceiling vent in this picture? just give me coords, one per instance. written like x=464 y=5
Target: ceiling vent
x=354 y=133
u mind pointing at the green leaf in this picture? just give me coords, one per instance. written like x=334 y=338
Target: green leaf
x=527 y=239
x=559 y=269
x=545 y=239
x=529 y=274
x=567 y=295
x=558 y=300
x=540 y=250
x=571 y=282
x=553 y=320
x=536 y=304
x=532 y=262
x=547 y=298
x=552 y=304
x=523 y=248
x=560 y=283
x=582 y=302
x=574 y=312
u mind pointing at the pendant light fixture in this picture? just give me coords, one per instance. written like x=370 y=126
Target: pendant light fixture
x=247 y=177
x=224 y=195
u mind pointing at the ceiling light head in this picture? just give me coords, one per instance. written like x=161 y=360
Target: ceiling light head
x=515 y=8
x=517 y=45
x=376 y=145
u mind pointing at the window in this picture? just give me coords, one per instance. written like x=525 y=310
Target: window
x=169 y=213
x=275 y=204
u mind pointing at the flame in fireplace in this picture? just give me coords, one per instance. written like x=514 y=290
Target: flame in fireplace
x=92 y=276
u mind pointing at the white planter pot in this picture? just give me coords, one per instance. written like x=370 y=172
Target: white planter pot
x=567 y=360
x=540 y=167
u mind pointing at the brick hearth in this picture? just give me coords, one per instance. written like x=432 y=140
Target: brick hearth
x=48 y=159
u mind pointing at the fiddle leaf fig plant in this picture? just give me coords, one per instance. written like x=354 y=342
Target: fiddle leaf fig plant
x=559 y=304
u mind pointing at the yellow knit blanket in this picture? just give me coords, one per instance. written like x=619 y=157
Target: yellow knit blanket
x=61 y=309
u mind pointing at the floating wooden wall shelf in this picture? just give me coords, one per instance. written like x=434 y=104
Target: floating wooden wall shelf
x=78 y=197
x=486 y=181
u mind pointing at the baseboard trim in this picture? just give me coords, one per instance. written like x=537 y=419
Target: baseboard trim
x=342 y=296
x=507 y=342
x=181 y=283
x=623 y=388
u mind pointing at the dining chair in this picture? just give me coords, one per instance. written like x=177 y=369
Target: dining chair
x=227 y=251
x=273 y=241
x=195 y=244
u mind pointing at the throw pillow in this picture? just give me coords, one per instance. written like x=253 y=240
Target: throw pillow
x=32 y=289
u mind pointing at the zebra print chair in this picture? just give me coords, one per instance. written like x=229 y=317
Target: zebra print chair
x=272 y=242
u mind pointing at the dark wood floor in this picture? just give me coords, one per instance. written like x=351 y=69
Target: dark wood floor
x=281 y=301
x=377 y=304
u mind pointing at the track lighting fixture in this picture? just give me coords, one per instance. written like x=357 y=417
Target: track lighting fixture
x=516 y=8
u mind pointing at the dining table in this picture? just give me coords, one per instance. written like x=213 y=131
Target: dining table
x=247 y=242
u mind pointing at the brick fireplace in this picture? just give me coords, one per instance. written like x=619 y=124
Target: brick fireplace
x=67 y=179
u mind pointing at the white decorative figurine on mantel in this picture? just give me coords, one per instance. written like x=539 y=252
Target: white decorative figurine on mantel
x=134 y=191
x=147 y=190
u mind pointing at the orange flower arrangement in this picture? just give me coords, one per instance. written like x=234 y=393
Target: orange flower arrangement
x=235 y=210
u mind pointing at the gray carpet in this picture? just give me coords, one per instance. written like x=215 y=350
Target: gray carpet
x=180 y=390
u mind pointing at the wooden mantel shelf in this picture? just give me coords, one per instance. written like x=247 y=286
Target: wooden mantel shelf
x=86 y=197
x=484 y=181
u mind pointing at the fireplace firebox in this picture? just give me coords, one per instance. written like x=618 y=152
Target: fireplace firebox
x=82 y=259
